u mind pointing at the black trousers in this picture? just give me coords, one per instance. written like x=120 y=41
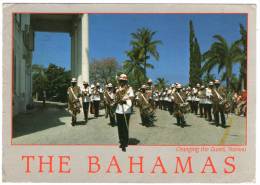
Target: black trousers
x=123 y=125
x=156 y=104
x=111 y=115
x=201 y=107
x=223 y=119
x=208 y=111
x=196 y=106
x=222 y=116
x=191 y=105
x=96 y=108
x=160 y=104
x=170 y=107
x=85 y=109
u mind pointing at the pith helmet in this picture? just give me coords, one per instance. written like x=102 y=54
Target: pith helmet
x=143 y=87
x=92 y=86
x=216 y=82
x=150 y=81
x=109 y=85
x=74 y=80
x=97 y=84
x=178 y=86
x=198 y=85
x=85 y=83
x=211 y=83
x=123 y=77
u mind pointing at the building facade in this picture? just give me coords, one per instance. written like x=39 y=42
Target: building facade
x=24 y=27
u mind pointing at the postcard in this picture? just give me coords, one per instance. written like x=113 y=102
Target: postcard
x=129 y=92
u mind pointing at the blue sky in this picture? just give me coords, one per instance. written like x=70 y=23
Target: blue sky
x=110 y=37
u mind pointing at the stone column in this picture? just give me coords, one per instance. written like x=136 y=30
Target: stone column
x=79 y=50
x=72 y=52
x=84 y=48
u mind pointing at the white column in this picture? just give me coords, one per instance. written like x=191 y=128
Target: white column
x=79 y=50
x=84 y=48
x=72 y=52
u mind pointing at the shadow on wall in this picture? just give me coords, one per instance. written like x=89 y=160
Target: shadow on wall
x=38 y=119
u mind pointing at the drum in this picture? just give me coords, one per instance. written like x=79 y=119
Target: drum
x=185 y=107
x=76 y=105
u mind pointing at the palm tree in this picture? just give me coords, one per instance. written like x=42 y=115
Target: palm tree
x=133 y=68
x=223 y=56
x=143 y=40
x=161 y=83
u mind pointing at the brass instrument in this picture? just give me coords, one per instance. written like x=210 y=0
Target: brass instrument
x=109 y=100
x=120 y=95
x=85 y=92
x=96 y=92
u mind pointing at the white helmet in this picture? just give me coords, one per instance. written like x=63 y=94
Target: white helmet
x=150 y=81
x=74 y=80
x=123 y=77
x=143 y=87
x=109 y=85
x=211 y=83
x=178 y=86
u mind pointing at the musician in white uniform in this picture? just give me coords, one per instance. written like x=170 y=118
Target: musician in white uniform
x=85 y=99
x=123 y=99
x=156 y=98
x=208 y=101
x=96 y=98
x=166 y=99
x=196 y=98
x=202 y=97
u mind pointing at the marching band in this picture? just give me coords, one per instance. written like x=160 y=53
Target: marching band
x=210 y=102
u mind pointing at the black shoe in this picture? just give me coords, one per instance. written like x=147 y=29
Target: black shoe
x=123 y=149
x=73 y=124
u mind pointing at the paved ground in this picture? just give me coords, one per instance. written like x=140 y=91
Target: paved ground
x=51 y=125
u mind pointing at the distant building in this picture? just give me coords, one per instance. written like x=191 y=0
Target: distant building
x=24 y=27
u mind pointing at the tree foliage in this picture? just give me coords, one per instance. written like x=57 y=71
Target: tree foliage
x=103 y=70
x=243 y=62
x=54 y=80
x=195 y=58
x=143 y=48
x=161 y=83
x=222 y=56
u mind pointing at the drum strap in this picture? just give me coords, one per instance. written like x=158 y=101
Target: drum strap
x=219 y=97
x=72 y=92
x=180 y=97
x=144 y=98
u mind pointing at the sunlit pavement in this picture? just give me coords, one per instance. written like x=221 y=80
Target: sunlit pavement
x=51 y=125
